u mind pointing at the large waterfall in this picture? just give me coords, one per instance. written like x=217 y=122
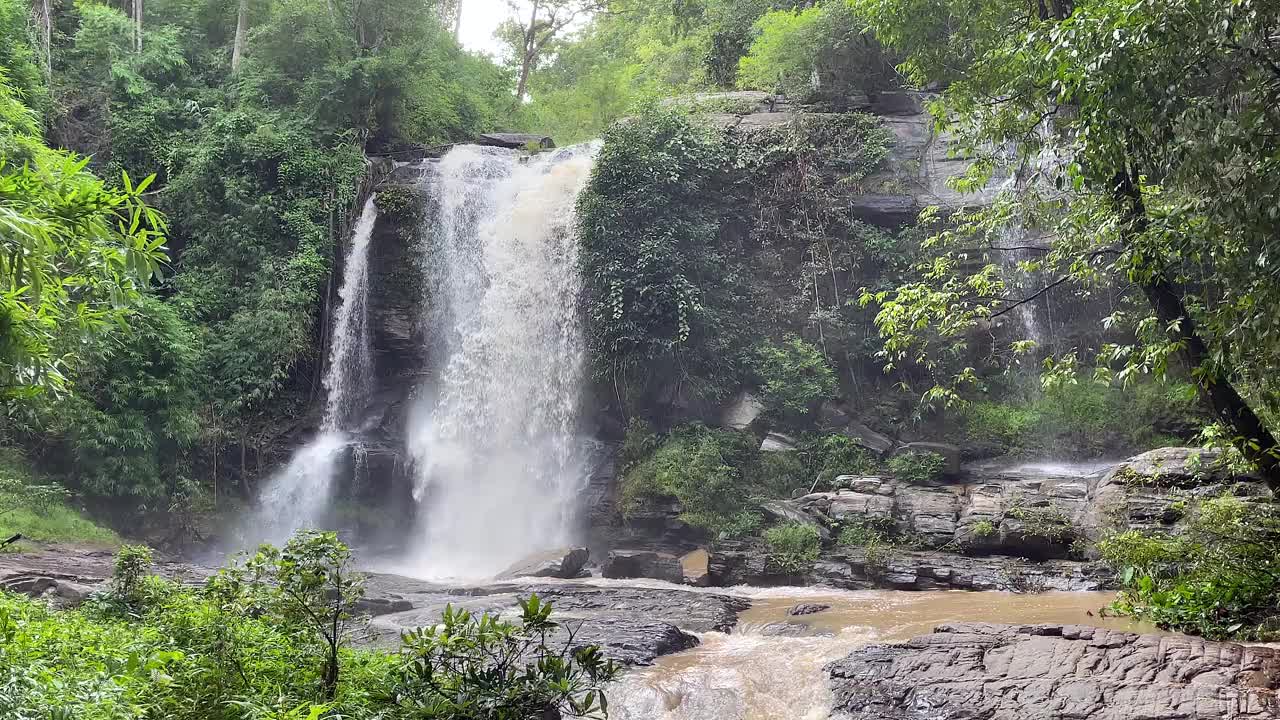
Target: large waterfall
x=298 y=495
x=493 y=438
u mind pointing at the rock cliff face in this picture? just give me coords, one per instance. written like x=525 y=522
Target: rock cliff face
x=1034 y=672
x=1017 y=528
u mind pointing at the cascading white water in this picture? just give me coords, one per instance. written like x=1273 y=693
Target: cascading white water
x=297 y=496
x=493 y=441
x=350 y=363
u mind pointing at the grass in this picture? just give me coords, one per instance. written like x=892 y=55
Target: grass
x=41 y=516
x=57 y=523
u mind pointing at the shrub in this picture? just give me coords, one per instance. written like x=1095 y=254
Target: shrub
x=793 y=547
x=866 y=531
x=1219 y=579
x=830 y=456
x=795 y=376
x=466 y=668
x=983 y=529
x=132 y=565
x=918 y=467
x=713 y=474
x=1048 y=523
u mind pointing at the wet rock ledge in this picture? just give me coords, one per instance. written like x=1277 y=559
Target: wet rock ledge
x=974 y=671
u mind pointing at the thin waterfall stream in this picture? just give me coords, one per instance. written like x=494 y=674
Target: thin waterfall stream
x=298 y=495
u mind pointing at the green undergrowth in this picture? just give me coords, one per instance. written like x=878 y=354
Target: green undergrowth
x=1083 y=418
x=40 y=510
x=270 y=639
x=1219 y=577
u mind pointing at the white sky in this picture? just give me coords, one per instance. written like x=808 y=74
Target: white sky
x=479 y=19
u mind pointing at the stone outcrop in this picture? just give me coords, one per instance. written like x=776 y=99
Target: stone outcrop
x=561 y=563
x=807 y=609
x=899 y=569
x=633 y=625
x=643 y=564
x=695 y=568
x=1047 y=672
x=516 y=141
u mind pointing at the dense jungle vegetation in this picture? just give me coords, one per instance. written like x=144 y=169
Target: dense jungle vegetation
x=176 y=178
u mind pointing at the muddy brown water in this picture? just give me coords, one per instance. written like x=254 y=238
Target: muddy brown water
x=751 y=673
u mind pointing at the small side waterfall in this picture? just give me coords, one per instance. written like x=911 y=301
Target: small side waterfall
x=298 y=495
x=493 y=440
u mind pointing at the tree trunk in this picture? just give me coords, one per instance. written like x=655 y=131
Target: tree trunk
x=137 y=26
x=242 y=29
x=457 y=22
x=1249 y=435
x=530 y=54
x=42 y=21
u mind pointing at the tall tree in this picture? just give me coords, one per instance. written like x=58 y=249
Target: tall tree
x=242 y=32
x=1144 y=146
x=532 y=39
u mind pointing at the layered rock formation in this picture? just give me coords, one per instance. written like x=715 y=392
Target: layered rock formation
x=1034 y=672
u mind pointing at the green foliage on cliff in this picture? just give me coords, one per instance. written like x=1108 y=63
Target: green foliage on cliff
x=695 y=241
x=645 y=51
x=918 y=467
x=1084 y=417
x=713 y=474
x=795 y=376
x=661 y=296
x=250 y=644
x=1220 y=577
x=793 y=547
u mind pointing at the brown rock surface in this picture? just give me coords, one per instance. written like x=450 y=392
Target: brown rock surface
x=1044 y=672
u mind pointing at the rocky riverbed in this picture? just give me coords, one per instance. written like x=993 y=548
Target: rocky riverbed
x=756 y=653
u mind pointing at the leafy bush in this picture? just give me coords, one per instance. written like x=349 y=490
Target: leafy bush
x=829 y=456
x=132 y=566
x=793 y=548
x=983 y=529
x=795 y=376
x=918 y=467
x=1219 y=579
x=466 y=668
x=1086 y=417
x=866 y=531
x=713 y=474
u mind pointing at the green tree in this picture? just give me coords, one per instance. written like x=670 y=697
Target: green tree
x=76 y=253
x=1142 y=151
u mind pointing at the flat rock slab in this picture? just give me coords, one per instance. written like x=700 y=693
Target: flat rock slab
x=970 y=671
x=633 y=625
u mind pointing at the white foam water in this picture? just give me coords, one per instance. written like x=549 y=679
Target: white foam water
x=497 y=461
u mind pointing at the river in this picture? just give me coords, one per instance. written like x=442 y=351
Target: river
x=771 y=665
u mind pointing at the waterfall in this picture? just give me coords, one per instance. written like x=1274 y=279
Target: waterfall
x=298 y=495
x=493 y=440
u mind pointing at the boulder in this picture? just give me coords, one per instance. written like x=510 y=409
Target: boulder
x=807 y=608
x=695 y=568
x=869 y=439
x=558 y=563
x=643 y=564
x=948 y=451
x=1047 y=672
x=777 y=442
x=743 y=411
x=516 y=141
x=1173 y=467
x=784 y=511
